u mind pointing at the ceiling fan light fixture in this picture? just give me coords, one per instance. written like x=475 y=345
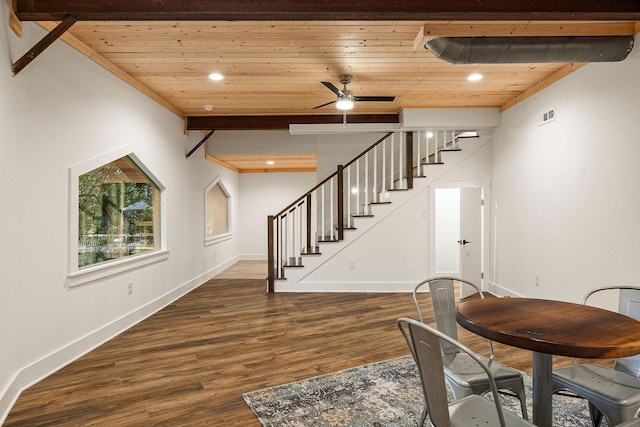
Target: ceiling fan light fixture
x=345 y=102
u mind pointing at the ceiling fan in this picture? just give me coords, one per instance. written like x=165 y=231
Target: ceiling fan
x=345 y=97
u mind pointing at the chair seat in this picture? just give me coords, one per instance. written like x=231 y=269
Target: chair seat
x=463 y=371
x=613 y=393
x=599 y=383
x=475 y=411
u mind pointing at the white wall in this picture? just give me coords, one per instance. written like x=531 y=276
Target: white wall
x=58 y=112
x=263 y=194
x=334 y=150
x=566 y=199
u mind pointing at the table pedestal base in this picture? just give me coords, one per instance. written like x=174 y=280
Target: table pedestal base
x=542 y=389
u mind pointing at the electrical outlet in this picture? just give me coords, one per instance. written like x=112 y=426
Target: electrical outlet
x=130 y=288
x=536 y=280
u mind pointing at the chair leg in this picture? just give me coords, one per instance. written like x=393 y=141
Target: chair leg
x=523 y=406
x=423 y=416
x=596 y=415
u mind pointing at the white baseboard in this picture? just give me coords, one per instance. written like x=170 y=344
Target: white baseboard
x=388 y=287
x=500 y=291
x=55 y=361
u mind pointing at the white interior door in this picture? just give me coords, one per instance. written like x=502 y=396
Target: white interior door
x=470 y=236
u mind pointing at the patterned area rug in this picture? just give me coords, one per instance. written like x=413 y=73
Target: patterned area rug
x=386 y=393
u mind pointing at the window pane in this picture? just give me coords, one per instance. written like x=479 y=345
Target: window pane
x=118 y=213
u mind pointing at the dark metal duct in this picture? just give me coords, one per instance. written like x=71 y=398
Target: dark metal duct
x=506 y=50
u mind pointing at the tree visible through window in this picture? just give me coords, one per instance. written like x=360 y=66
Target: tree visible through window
x=118 y=213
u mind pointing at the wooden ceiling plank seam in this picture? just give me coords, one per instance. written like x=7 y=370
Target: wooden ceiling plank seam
x=113 y=69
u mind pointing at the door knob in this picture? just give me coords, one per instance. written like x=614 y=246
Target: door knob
x=463 y=242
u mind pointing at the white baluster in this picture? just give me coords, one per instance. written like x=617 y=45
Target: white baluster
x=418 y=167
x=331 y=215
x=383 y=182
x=322 y=213
x=374 y=187
x=358 y=186
x=349 y=198
x=366 y=183
x=391 y=162
x=400 y=152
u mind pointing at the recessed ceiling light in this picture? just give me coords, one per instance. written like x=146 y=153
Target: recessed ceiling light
x=475 y=77
x=216 y=77
x=207 y=107
x=271 y=162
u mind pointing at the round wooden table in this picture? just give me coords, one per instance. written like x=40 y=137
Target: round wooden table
x=549 y=327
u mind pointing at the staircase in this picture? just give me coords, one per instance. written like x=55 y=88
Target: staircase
x=320 y=224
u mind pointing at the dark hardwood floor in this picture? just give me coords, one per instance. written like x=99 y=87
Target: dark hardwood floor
x=189 y=364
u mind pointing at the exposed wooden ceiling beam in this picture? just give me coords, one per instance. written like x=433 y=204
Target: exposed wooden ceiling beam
x=295 y=10
x=280 y=122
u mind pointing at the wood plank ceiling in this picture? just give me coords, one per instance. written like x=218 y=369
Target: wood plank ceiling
x=274 y=67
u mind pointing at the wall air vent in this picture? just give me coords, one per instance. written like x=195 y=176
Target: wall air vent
x=547 y=116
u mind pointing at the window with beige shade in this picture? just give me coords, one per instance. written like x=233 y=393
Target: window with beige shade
x=217 y=212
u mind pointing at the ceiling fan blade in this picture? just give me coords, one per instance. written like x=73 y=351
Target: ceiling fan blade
x=332 y=88
x=324 y=105
x=374 y=98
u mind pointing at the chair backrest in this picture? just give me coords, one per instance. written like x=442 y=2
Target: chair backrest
x=629 y=305
x=443 y=300
x=425 y=343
